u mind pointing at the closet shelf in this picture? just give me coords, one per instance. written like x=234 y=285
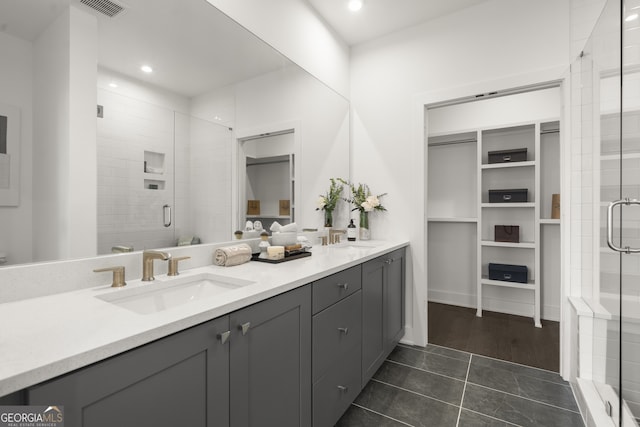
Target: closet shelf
x=521 y=245
x=446 y=219
x=530 y=286
x=550 y=221
x=529 y=163
x=509 y=205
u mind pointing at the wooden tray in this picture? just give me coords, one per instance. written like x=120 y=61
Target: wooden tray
x=254 y=257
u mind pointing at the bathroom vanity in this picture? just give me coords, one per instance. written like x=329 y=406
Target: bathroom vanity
x=293 y=347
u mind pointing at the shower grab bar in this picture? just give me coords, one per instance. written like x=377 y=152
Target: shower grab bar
x=166 y=208
x=626 y=201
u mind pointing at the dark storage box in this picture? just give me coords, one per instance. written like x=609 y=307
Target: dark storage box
x=508 y=156
x=507 y=233
x=509 y=273
x=514 y=195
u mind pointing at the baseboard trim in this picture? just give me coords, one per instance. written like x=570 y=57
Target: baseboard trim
x=493 y=304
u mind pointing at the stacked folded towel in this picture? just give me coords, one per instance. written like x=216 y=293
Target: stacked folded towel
x=232 y=255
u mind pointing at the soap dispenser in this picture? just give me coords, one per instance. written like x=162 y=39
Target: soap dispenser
x=351 y=231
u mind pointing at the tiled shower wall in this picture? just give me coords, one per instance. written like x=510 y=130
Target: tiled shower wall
x=194 y=177
x=129 y=213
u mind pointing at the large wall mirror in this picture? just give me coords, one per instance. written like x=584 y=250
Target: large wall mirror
x=113 y=156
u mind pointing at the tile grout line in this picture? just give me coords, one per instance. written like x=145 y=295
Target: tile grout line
x=408 y=347
x=424 y=370
x=525 y=398
x=464 y=389
x=381 y=414
x=496 y=359
x=493 y=418
x=413 y=392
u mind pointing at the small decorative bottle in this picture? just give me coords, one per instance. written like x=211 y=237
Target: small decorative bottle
x=264 y=244
x=351 y=231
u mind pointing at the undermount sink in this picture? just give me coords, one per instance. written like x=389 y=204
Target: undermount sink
x=164 y=294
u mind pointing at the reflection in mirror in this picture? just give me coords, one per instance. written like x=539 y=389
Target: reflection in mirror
x=84 y=188
x=269 y=162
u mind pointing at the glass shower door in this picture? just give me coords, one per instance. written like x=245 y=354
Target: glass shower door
x=619 y=287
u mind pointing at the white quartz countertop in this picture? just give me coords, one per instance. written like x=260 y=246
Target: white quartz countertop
x=41 y=338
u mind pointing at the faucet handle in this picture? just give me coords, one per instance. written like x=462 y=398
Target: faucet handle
x=118 y=275
x=173 y=265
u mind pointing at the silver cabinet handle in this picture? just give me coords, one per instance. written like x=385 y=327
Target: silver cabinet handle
x=388 y=261
x=245 y=328
x=224 y=337
x=165 y=209
x=343 y=286
x=627 y=202
x=343 y=388
x=344 y=330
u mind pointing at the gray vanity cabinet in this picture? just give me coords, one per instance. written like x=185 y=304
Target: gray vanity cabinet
x=179 y=380
x=270 y=362
x=382 y=309
x=337 y=344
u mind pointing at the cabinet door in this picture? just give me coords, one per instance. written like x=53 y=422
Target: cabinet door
x=270 y=362
x=373 y=322
x=394 y=299
x=180 y=380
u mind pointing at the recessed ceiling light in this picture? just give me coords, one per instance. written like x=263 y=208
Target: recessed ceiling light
x=146 y=69
x=354 y=5
x=113 y=84
x=631 y=17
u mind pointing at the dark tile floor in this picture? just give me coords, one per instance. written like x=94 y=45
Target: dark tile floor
x=438 y=386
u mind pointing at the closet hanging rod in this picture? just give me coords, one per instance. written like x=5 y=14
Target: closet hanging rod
x=460 y=141
x=543 y=132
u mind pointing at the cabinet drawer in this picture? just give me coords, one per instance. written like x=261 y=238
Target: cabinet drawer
x=334 y=392
x=332 y=289
x=336 y=331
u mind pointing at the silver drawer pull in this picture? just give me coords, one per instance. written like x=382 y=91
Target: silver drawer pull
x=244 y=327
x=506 y=158
x=506 y=197
x=506 y=276
x=344 y=330
x=344 y=286
x=224 y=337
x=343 y=388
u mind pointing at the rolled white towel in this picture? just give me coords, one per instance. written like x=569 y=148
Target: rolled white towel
x=293 y=227
x=232 y=255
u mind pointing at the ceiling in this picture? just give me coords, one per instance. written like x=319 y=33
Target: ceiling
x=381 y=17
x=192 y=47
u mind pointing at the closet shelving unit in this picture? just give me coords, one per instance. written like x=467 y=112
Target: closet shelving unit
x=459 y=179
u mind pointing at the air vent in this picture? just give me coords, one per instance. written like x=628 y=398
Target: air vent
x=106 y=7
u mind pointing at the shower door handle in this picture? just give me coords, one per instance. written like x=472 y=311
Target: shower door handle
x=627 y=202
x=166 y=218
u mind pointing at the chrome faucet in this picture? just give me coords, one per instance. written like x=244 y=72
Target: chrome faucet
x=147 y=263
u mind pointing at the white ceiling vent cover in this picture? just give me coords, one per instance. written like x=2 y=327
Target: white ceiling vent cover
x=106 y=7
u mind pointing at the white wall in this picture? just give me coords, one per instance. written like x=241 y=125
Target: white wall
x=491 y=45
x=16 y=75
x=64 y=179
x=293 y=99
x=294 y=28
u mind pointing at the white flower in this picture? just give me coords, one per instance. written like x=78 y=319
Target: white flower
x=373 y=201
x=321 y=203
x=367 y=206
